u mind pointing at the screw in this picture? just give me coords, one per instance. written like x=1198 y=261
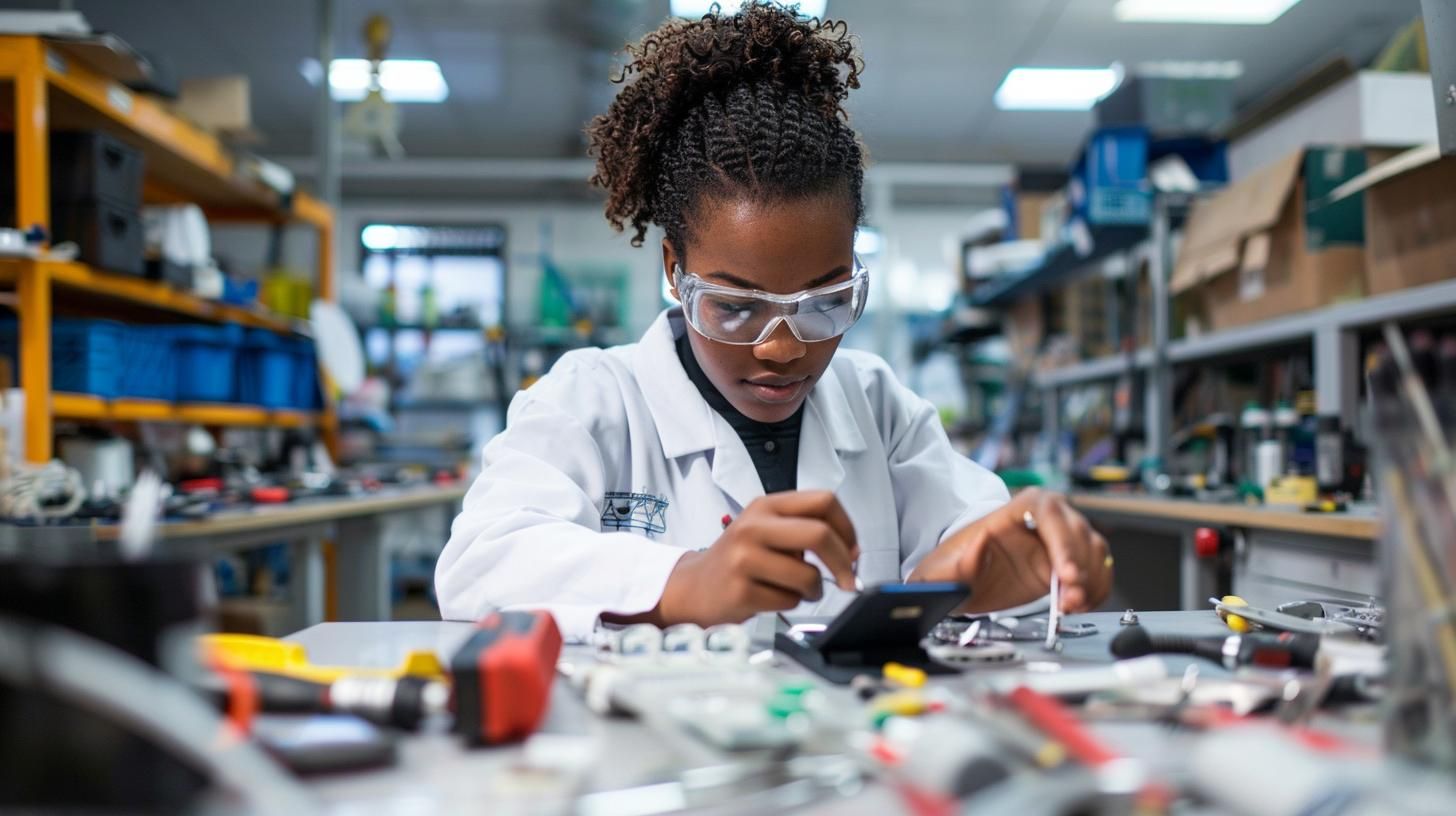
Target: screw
x=1129 y=618
x=1451 y=94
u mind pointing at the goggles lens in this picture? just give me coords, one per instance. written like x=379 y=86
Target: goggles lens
x=747 y=317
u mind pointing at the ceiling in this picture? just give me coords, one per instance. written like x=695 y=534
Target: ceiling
x=525 y=75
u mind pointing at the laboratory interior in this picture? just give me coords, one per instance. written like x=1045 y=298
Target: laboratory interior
x=638 y=407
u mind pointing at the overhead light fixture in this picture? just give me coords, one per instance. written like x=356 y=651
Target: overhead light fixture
x=1191 y=69
x=386 y=237
x=1226 y=12
x=1056 y=88
x=695 y=9
x=400 y=80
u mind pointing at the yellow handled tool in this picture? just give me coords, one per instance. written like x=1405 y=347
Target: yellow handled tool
x=265 y=654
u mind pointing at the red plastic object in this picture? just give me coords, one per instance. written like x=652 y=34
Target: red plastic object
x=269 y=495
x=210 y=484
x=1205 y=542
x=503 y=676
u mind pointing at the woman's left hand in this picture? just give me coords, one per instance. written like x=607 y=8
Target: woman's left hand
x=1008 y=556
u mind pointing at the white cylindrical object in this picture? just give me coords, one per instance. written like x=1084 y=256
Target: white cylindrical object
x=1270 y=464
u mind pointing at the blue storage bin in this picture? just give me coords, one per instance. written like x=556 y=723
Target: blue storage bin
x=148 y=363
x=207 y=359
x=85 y=354
x=266 y=374
x=1112 y=174
x=307 y=395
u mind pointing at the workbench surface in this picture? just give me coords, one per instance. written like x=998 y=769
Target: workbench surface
x=436 y=774
x=1351 y=524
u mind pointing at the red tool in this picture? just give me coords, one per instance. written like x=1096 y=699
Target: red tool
x=503 y=675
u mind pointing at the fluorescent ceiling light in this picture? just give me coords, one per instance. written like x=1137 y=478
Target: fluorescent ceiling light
x=695 y=9
x=1191 y=69
x=1056 y=88
x=401 y=80
x=1227 y=12
x=384 y=237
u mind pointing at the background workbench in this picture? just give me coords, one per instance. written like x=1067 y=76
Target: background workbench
x=1268 y=554
x=357 y=525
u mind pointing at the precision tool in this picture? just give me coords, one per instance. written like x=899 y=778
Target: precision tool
x=1278 y=620
x=503 y=676
x=1284 y=651
x=401 y=702
x=1054 y=614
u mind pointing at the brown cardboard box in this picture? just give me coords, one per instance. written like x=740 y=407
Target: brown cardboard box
x=221 y=104
x=1410 y=228
x=1028 y=214
x=1255 y=251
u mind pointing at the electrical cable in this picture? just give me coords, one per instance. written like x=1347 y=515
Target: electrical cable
x=25 y=493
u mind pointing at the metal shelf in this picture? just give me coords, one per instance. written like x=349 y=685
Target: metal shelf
x=1061 y=264
x=1423 y=301
x=1103 y=368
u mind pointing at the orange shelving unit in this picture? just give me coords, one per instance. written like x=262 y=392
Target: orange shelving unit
x=41 y=90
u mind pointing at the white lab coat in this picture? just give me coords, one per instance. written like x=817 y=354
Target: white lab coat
x=539 y=529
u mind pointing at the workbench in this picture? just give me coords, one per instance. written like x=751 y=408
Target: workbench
x=356 y=525
x=435 y=773
x=1267 y=555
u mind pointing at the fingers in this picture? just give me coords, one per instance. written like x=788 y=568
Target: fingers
x=820 y=504
x=765 y=598
x=1062 y=545
x=800 y=535
x=785 y=572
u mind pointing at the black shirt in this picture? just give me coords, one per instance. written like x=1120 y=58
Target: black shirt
x=773 y=446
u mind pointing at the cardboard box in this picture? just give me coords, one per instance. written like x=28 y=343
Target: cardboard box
x=1258 y=250
x=1410 y=224
x=222 y=105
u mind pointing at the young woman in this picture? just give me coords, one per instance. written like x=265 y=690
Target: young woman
x=734 y=461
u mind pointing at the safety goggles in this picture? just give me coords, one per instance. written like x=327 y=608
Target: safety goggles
x=746 y=317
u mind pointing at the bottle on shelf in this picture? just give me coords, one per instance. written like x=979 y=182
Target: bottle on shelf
x=1254 y=423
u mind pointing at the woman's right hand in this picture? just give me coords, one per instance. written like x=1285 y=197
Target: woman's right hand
x=757 y=564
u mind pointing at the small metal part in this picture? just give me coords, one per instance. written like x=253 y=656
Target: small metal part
x=1129 y=618
x=1054 y=614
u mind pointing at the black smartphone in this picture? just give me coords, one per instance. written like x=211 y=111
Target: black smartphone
x=891 y=616
x=883 y=624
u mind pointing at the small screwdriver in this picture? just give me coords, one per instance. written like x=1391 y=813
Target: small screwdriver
x=402 y=702
x=1283 y=651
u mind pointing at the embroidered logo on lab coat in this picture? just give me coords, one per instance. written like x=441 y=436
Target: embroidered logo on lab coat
x=634 y=511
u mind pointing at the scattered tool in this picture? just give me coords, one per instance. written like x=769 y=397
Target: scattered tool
x=1054 y=614
x=264 y=654
x=401 y=702
x=1288 y=650
x=1235 y=622
x=1270 y=619
x=503 y=676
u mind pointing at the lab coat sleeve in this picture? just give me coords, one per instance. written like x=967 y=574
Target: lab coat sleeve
x=529 y=535
x=938 y=491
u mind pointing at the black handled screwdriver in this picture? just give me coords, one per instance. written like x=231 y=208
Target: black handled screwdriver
x=1283 y=651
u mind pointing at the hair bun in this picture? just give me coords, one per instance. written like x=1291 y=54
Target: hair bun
x=674 y=68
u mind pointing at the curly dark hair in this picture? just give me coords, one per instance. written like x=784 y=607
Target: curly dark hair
x=749 y=103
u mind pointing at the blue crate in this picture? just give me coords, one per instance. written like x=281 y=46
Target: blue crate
x=148 y=363
x=266 y=373
x=85 y=354
x=1112 y=175
x=207 y=358
x=306 y=395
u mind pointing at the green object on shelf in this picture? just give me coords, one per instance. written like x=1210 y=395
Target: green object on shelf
x=796 y=688
x=1016 y=478
x=784 y=706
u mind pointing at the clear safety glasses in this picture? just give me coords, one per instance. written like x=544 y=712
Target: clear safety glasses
x=746 y=317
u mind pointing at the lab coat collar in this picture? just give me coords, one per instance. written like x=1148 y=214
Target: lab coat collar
x=685 y=423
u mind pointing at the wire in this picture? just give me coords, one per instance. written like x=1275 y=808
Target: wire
x=28 y=492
